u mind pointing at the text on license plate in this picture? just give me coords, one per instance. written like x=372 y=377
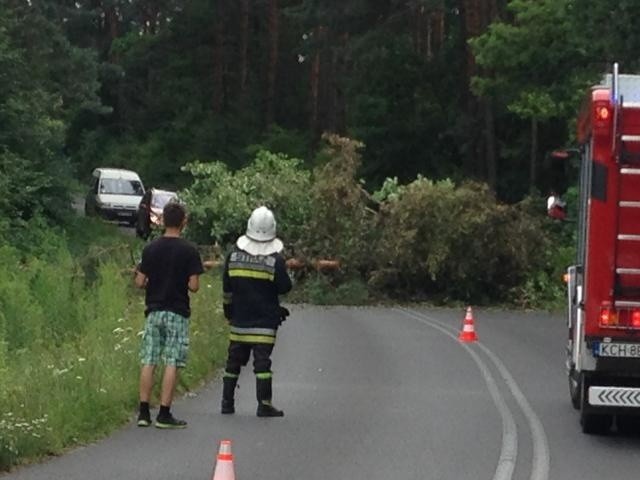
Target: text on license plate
x=606 y=349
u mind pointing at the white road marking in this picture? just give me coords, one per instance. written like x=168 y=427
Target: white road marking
x=540 y=458
x=509 y=449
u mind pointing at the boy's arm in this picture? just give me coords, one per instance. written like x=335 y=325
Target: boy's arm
x=141 y=279
x=194 y=283
x=195 y=270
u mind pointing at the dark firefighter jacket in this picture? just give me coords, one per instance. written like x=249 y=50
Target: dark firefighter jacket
x=251 y=285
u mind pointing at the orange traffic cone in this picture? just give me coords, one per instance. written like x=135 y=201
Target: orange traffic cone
x=468 y=333
x=224 y=463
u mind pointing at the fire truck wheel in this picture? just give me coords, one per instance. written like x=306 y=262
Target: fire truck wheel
x=592 y=423
x=628 y=424
x=595 y=424
x=575 y=385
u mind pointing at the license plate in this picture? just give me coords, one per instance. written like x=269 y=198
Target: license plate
x=124 y=214
x=610 y=349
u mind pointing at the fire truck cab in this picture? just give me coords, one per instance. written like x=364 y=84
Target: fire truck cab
x=603 y=348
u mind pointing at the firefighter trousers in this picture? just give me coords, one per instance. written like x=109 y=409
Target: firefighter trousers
x=238 y=356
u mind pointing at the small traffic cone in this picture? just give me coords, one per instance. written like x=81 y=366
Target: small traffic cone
x=468 y=333
x=224 y=463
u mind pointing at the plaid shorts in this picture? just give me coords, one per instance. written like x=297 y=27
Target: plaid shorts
x=165 y=339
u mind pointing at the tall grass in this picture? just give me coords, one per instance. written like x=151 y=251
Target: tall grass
x=69 y=338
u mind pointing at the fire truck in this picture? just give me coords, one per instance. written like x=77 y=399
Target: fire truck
x=603 y=348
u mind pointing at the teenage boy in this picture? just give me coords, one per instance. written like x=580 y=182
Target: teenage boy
x=170 y=268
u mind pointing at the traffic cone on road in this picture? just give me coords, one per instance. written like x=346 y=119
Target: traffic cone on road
x=224 y=463
x=468 y=333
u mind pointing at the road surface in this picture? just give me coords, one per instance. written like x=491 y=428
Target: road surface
x=381 y=393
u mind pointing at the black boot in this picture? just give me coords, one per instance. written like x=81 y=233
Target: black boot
x=263 y=393
x=228 y=392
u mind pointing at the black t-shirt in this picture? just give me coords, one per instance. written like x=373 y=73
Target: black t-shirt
x=168 y=262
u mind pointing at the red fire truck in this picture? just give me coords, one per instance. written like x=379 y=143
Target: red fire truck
x=603 y=349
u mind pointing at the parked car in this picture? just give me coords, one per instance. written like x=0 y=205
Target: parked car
x=114 y=195
x=149 y=217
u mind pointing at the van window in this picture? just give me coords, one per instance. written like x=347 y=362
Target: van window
x=120 y=186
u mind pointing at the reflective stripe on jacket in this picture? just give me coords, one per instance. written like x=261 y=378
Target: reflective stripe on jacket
x=251 y=285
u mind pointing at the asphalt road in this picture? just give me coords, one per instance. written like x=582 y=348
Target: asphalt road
x=379 y=393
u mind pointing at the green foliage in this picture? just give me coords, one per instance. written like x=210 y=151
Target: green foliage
x=454 y=242
x=220 y=201
x=403 y=108
x=341 y=224
x=524 y=60
x=320 y=290
x=292 y=143
x=69 y=363
x=46 y=83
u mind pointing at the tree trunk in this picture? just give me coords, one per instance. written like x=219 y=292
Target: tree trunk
x=111 y=18
x=436 y=30
x=533 y=165
x=274 y=31
x=429 y=35
x=332 y=100
x=244 y=43
x=314 y=87
x=416 y=20
x=490 y=141
x=342 y=72
x=218 y=60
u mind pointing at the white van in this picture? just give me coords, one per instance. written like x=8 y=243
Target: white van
x=115 y=195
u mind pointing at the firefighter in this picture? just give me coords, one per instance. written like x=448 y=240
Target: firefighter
x=254 y=275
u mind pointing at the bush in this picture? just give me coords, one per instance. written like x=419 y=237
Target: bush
x=220 y=200
x=320 y=290
x=341 y=226
x=69 y=342
x=454 y=242
x=428 y=238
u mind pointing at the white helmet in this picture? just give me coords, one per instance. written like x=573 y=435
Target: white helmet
x=261 y=226
x=260 y=238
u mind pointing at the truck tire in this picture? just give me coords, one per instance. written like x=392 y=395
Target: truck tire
x=575 y=386
x=628 y=424
x=595 y=424
x=592 y=423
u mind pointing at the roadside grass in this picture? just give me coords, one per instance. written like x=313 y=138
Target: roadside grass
x=69 y=337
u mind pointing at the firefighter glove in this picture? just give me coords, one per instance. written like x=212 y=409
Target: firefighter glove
x=284 y=313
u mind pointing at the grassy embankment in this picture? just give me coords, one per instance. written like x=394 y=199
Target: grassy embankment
x=70 y=322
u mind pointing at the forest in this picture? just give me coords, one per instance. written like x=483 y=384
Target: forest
x=408 y=139
x=459 y=89
x=370 y=108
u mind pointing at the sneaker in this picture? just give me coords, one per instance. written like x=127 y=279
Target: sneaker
x=170 y=422
x=144 y=420
x=267 y=410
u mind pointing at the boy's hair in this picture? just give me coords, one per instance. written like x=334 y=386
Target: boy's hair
x=173 y=214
